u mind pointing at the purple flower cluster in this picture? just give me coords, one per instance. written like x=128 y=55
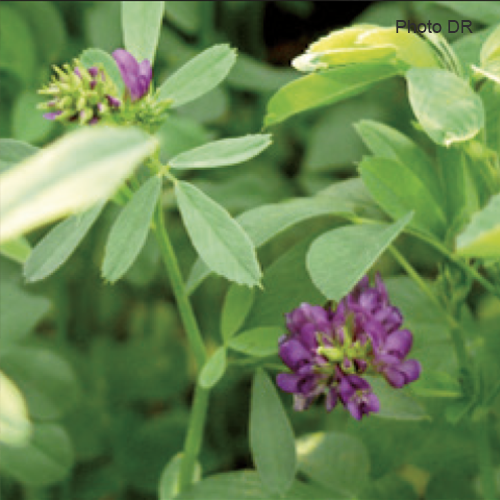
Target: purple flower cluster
x=86 y=95
x=328 y=350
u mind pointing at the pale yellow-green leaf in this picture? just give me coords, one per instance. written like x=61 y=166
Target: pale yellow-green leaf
x=68 y=176
x=481 y=238
x=15 y=427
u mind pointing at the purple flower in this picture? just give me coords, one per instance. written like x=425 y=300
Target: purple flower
x=327 y=351
x=136 y=76
x=357 y=396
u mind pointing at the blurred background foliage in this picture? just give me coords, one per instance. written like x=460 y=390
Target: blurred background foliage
x=104 y=369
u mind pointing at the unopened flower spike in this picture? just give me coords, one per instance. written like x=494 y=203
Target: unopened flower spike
x=328 y=350
x=79 y=94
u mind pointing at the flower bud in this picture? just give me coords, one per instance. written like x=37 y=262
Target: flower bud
x=80 y=94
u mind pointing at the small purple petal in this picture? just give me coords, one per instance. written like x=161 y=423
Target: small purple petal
x=76 y=71
x=354 y=408
x=288 y=382
x=394 y=377
x=93 y=71
x=52 y=115
x=411 y=370
x=145 y=75
x=137 y=77
x=294 y=354
x=113 y=101
x=94 y=120
x=381 y=289
x=399 y=343
x=331 y=399
x=369 y=299
x=372 y=403
x=358 y=383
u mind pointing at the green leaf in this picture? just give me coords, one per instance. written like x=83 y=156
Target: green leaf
x=336 y=461
x=481 y=237
x=14 y=423
x=184 y=15
x=28 y=123
x=237 y=305
x=178 y=134
x=260 y=342
x=387 y=142
x=264 y=222
x=18 y=249
x=209 y=107
x=491 y=99
x=17 y=46
x=461 y=200
x=46 y=459
x=437 y=384
x=70 y=175
x=486 y=12
x=198 y=76
x=47 y=27
x=222 y=153
x=19 y=311
x=398 y=189
x=103 y=27
x=395 y=403
x=271 y=436
x=255 y=76
x=54 y=249
x=432 y=345
x=168 y=487
x=332 y=145
x=445 y=105
x=13 y=151
x=338 y=259
x=130 y=230
x=244 y=485
x=46 y=380
x=141 y=23
x=247 y=485
x=490 y=49
x=94 y=57
x=214 y=369
x=285 y=285
x=218 y=238
x=324 y=88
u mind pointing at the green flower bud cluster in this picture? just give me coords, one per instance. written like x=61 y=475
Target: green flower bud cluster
x=147 y=112
x=79 y=94
x=345 y=353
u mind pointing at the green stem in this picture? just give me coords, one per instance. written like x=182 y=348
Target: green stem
x=179 y=289
x=455 y=329
x=492 y=395
x=486 y=471
x=473 y=273
x=207 y=11
x=194 y=437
